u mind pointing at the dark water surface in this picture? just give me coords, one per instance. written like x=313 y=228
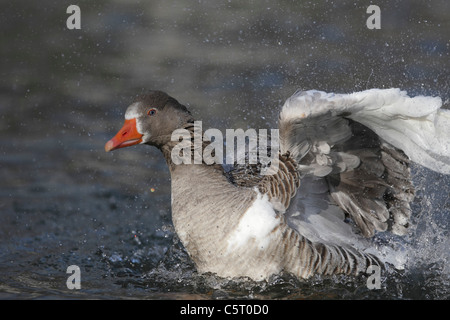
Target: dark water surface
x=64 y=201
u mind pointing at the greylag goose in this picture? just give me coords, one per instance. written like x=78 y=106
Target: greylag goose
x=342 y=175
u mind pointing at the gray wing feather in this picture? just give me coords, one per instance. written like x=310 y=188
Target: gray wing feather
x=367 y=178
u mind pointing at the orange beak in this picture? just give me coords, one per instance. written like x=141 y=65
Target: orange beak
x=127 y=136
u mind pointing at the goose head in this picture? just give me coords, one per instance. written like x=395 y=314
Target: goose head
x=150 y=119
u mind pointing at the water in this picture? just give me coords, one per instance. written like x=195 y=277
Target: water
x=64 y=201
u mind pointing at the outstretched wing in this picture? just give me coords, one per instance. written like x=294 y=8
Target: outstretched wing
x=357 y=142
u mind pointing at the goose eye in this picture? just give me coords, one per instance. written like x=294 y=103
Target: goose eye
x=151 y=112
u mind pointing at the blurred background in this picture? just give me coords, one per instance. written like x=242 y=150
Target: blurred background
x=63 y=93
